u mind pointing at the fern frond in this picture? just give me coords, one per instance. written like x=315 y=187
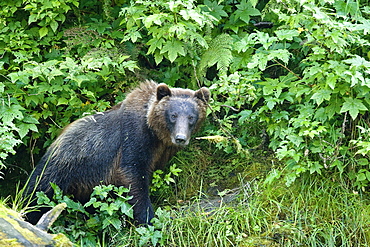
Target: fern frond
x=219 y=52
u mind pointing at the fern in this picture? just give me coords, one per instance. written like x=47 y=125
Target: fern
x=219 y=52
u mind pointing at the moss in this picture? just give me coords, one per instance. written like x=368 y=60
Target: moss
x=4 y=211
x=61 y=240
x=8 y=242
x=16 y=232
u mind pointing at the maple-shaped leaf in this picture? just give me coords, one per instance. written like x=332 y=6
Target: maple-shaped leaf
x=215 y=9
x=321 y=95
x=155 y=44
x=173 y=49
x=357 y=61
x=245 y=10
x=8 y=114
x=353 y=106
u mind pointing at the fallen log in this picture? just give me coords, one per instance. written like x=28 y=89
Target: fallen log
x=14 y=231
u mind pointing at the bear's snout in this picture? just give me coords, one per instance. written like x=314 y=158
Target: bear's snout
x=180 y=139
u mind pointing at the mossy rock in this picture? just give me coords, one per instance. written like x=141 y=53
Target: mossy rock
x=14 y=231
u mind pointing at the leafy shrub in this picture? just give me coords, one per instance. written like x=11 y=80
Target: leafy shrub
x=155 y=234
x=51 y=75
x=161 y=181
x=109 y=222
x=302 y=78
x=81 y=226
x=7 y=142
x=306 y=83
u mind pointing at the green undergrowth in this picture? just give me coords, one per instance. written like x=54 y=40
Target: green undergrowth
x=312 y=212
x=245 y=210
x=208 y=171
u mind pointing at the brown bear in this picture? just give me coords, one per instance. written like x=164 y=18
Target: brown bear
x=122 y=146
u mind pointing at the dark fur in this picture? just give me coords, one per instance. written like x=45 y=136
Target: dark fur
x=122 y=146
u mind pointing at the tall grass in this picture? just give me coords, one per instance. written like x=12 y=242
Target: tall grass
x=315 y=211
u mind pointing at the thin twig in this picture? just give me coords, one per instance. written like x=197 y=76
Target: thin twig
x=285 y=67
x=232 y=108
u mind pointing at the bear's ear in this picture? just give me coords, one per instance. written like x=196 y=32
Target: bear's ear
x=162 y=91
x=203 y=94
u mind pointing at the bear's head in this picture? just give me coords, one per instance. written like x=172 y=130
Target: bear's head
x=177 y=113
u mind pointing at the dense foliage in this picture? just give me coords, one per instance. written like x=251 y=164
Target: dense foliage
x=295 y=72
x=303 y=75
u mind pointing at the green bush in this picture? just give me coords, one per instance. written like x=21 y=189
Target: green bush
x=85 y=227
x=296 y=71
x=104 y=219
x=305 y=81
x=54 y=72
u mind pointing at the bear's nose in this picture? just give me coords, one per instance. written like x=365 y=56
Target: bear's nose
x=180 y=139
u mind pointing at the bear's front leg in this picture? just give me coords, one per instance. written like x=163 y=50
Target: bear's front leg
x=143 y=210
x=139 y=190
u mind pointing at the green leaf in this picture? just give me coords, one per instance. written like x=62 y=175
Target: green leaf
x=264 y=39
x=215 y=9
x=272 y=176
x=155 y=44
x=361 y=177
x=338 y=164
x=331 y=80
x=116 y=222
x=24 y=128
x=8 y=114
x=295 y=139
x=245 y=10
x=279 y=54
x=192 y=14
x=127 y=209
x=157 y=235
x=120 y=190
x=315 y=167
x=155 y=18
x=321 y=95
x=19 y=76
x=134 y=36
x=54 y=25
x=286 y=34
x=158 y=58
x=271 y=102
x=354 y=106
x=81 y=78
x=244 y=115
x=174 y=170
x=272 y=86
x=258 y=60
x=173 y=49
x=179 y=29
x=62 y=101
x=43 y=31
x=2 y=87
x=32 y=18
x=109 y=208
x=357 y=61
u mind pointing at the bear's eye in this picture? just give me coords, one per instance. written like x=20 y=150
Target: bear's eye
x=191 y=118
x=173 y=116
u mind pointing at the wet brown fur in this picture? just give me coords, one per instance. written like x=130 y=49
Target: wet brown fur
x=155 y=111
x=141 y=103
